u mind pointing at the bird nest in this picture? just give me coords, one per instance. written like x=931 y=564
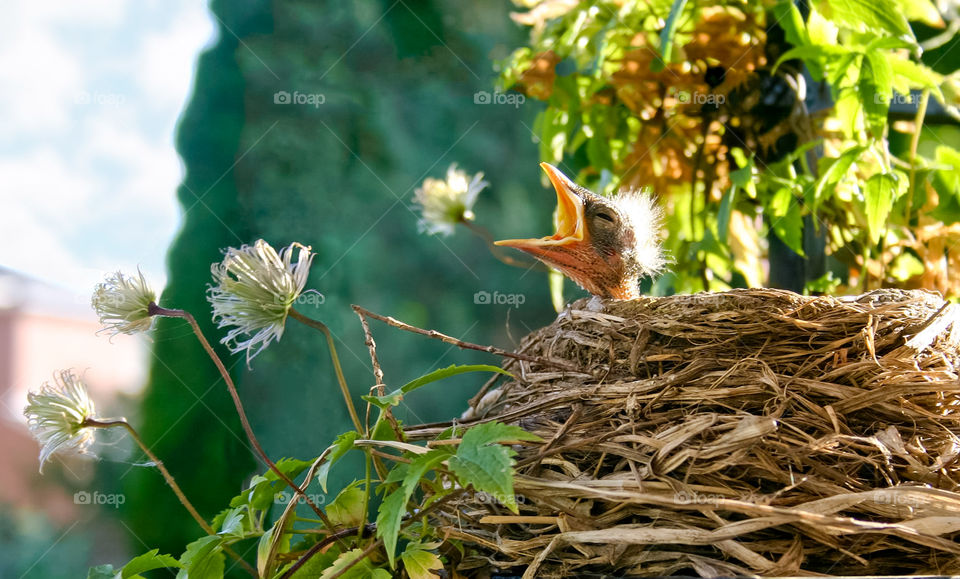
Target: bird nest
x=751 y=432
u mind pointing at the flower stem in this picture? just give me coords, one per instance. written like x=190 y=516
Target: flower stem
x=318 y=325
x=156 y=310
x=914 y=144
x=122 y=422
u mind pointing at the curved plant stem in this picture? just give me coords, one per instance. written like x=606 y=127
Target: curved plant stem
x=122 y=422
x=498 y=251
x=914 y=144
x=155 y=310
x=318 y=325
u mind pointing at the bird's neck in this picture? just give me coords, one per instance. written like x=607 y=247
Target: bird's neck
x=628 y=289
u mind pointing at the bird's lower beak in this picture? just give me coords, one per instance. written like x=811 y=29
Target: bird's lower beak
x=566 y=246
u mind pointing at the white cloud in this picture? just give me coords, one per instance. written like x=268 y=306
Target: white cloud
x=89 y=97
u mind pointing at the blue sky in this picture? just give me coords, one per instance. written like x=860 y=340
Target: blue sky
x=90 y=93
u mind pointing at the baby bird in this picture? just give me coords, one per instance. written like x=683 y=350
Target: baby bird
x=606 y=245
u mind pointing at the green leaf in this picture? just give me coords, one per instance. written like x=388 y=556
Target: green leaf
x=786 y=219
x=394 y=506
x=878 y=16
x=905 y=266
x=946 y=182
x=263 y=550
x=420 y=563
x=203 y=559
x=875 y=104
x=264 y=489
x=834 y=173
x=723 y=213
x=908 y=74
x=811 y=53
x=882 y=75
x=921 y=11
x=315 y=566
x=394 y=398
x=879 y=195
x=789 y=18
x=347 y=509
x=481 y=461
x=448 y=372
x=667 y=34
x=232 y=523
x=362 y=570
x=148 y=562
x=102 y=572
x=340 y=447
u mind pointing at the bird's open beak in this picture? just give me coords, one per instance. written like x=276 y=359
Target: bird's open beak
x=568 y=246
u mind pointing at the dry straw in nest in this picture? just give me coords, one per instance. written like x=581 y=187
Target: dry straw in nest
x=747 y=432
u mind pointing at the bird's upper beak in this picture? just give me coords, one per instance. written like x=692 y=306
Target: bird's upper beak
x=569 y=247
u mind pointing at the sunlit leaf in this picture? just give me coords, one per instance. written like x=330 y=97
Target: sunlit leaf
x=879 y=194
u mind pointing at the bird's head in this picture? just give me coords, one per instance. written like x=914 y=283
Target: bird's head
x=604 y=244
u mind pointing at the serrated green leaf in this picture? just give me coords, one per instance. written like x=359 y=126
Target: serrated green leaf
x=811 y=53
x=148 y=562
x=339 y=448
x=105 y=571
x=834 y=173
x=420 y=563
x=875 y=105
x=789 y=18
x=786 y=219
x=882 y=75
x=264 y=489
x=394 y=506
x=347 y=509
x=879 y=194
x=908 y=74
x=203 y=559
x=362 y=570
x=232 y=523
x=878 y=16
x=482 y=462
x=667 y=34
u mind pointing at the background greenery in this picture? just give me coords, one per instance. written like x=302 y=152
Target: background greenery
x=399 y=80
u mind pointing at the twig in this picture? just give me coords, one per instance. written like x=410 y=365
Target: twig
x=318 y=325
x=155 y=310
x=122 y=422
x=377 y=374
x=468 y=345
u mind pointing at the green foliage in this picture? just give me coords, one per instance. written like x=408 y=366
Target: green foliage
x=620 y=82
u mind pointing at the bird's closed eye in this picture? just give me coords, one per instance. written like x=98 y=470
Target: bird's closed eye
x=605 y=216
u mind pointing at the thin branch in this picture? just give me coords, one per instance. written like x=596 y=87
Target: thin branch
x=468 y=345
x=318 y=325
x=155 y=310
x=378 y=376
